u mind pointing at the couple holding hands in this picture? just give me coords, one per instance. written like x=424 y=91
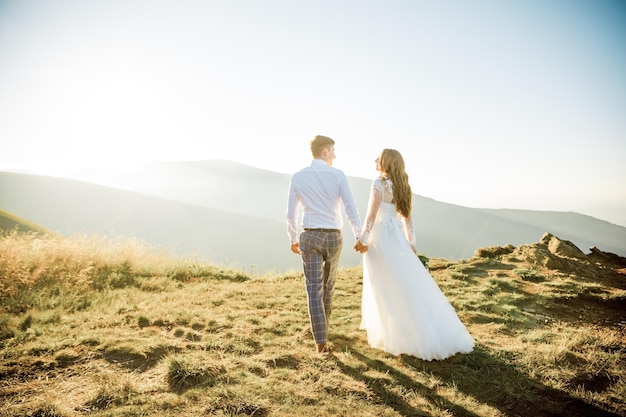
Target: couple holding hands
x=402 y=308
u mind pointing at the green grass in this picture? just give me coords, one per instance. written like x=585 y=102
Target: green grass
x=106 y=327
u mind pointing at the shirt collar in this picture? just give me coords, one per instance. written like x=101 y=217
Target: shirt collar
x=319 y=162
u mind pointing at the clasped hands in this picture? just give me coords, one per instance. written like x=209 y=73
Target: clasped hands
x=359 y=247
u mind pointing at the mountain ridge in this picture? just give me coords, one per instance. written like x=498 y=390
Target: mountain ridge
x=229 y=212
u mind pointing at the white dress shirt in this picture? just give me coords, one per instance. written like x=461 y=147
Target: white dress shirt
x=319 y=190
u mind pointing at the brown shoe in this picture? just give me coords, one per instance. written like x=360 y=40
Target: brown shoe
x=323 y=348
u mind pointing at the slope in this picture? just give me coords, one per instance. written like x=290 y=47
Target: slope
x=224 y=238
x=9 y=221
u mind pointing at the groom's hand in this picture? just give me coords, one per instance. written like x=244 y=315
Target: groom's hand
x=295 y=248
x=359 y=247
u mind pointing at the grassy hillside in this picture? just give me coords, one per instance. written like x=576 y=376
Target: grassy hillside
x=10 y=221
x=104 y=327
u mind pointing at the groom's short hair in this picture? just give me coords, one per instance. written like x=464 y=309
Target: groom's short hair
x=319 y=143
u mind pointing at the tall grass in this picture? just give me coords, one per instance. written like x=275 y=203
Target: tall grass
x=49 y=271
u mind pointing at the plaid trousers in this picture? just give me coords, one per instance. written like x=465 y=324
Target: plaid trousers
x=320 y=258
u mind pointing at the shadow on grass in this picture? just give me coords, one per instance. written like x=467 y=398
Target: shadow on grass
x=479 y=375
x=383 y=389
x=131 y=358
x=498 y=384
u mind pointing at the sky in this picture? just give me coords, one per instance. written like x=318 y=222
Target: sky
x=494 y=104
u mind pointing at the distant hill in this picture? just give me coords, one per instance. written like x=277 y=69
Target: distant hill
x=444 y=230
x=9 y=221
x=234 y=214
x=221 y=237
x=585 y=231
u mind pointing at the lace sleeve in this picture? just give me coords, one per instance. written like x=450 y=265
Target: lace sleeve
x=410 y=232
x=372 y=209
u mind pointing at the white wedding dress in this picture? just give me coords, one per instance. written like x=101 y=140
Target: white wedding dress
x=403 y=309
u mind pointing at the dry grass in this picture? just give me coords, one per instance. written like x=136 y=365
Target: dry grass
x=106 y=327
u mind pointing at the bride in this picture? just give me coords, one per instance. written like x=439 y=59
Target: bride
x=403 y=309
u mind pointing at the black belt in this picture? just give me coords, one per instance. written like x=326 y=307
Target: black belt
x=322 y=230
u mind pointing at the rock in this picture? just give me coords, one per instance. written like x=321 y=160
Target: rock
x=606 y=258
x=538 y=254
x=494 y=251
x=563 y=248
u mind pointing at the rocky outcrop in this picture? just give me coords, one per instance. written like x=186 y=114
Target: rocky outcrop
x=563 y=248
x=539 y=254
x=562 y=255
x=606 y=258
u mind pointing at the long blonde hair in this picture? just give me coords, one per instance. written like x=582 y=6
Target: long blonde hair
x=392 y=164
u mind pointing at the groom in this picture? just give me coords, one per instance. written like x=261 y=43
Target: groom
x=319 y=190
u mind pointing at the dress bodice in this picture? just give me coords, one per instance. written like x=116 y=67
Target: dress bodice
x=387 y=211
x=382 y=210
x=387 y=208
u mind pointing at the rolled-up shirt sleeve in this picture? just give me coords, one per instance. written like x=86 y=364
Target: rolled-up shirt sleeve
x=293 y=206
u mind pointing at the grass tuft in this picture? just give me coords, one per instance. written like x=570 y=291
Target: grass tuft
x=529 y=275
x=26 y=323
x=227 y=405
x=42 y=411
x=188 y=371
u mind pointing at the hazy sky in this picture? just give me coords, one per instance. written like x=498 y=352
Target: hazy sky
x=518 y=104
